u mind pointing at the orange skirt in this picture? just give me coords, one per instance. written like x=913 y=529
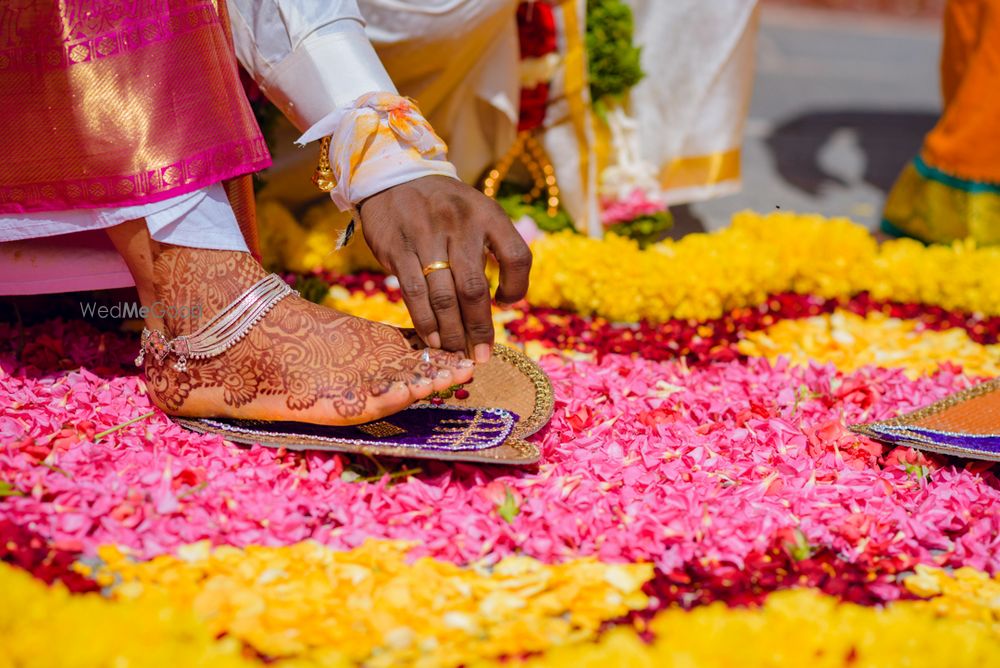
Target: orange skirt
x=952 y=190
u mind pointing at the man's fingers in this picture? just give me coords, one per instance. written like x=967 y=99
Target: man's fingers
x=432 y=219
x=413 y=285
x=468 y=271
x=514 y=258
x=444 y=302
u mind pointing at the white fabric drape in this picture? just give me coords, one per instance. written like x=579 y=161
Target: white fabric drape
x=459 y=60
x=699 y=58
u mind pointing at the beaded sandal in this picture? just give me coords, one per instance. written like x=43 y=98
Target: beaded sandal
x=964 y=424
x=485 y=421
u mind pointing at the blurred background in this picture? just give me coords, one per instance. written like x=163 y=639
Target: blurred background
x=845 y=91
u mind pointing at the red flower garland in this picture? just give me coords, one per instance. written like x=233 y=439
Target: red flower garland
x=715 y=340
x=697 y=342
x=536 y=32
x=536 y=29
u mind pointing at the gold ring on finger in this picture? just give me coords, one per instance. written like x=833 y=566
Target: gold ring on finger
x=434 y=266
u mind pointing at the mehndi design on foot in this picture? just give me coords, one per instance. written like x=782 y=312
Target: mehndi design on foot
x=299 y=361
x=223 y=331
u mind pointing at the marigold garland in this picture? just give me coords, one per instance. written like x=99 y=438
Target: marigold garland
x=376 y=608
x=702 y=276
x=851 y=341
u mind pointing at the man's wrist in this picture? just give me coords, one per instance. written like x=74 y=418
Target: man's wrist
x=378 y=142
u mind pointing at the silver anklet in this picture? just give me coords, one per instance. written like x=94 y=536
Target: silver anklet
x=220 y=333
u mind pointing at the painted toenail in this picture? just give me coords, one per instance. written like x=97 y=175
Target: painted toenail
x=442 y=374
x=422 y=381
x=465 y=363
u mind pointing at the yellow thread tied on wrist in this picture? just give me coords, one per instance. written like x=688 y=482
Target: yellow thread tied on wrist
x=375 y=125
x=379 y=141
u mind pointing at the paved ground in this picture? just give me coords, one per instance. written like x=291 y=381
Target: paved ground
x=842 y=101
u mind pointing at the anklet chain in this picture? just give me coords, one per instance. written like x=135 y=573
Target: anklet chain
x=223 y=331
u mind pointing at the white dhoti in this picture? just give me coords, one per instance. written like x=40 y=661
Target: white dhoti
x=699 y=58
x=459 y=60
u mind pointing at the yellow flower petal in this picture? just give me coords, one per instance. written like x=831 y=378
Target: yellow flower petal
x=850 y=341
x=374 y=606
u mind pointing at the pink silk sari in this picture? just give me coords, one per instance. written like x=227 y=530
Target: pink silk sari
x=106 y=103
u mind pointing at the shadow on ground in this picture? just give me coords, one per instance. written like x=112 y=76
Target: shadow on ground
x=887 y=139
x=831 y=161
x=685 y=222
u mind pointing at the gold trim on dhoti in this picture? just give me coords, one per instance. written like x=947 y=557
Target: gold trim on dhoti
x=701 y=170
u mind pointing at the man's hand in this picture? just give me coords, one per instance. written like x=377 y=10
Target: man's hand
x=434 y=219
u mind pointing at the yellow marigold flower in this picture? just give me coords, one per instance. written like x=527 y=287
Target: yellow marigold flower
x=373 y=606
x=700 y=276
x=965 y=594
x=792 y=628
x=380 y=308
x=704 y=275
x=375 y=307
x=850 y=341
x=42 y=626
x=312 y=244
x=281 y=237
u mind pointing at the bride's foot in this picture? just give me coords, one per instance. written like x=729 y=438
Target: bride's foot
x=301 y=362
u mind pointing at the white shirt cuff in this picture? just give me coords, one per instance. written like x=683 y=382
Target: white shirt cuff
x=324 y=73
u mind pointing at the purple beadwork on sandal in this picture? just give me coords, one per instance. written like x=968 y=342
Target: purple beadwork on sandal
x=421 y=427
x=986 y=443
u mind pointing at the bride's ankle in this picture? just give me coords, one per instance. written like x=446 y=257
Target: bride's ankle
x=193 y=284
